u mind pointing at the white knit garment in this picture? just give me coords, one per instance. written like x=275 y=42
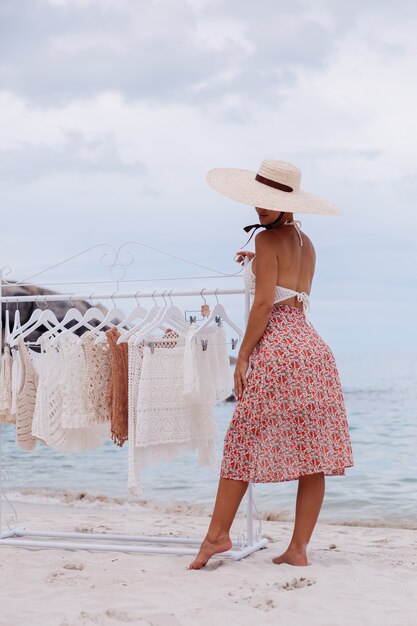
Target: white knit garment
x=135 y=356
x=73 y=372
x=167 y=423
x=52 y=386
x=207 y=373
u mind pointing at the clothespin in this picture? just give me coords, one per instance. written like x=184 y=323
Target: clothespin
x=193 y=319
x=234 y=343
x=151 y=345
x=204 y=343
x=218 y=320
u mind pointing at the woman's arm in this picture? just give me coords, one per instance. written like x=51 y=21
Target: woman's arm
x=266 y=275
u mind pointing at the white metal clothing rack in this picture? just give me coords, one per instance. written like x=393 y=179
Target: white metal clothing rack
x=248 y=540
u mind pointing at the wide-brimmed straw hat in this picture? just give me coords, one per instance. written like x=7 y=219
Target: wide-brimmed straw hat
x=276 y=186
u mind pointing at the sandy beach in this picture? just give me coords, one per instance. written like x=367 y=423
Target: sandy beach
x=358 y=575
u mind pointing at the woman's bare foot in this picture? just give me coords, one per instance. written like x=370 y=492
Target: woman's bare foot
x=292 y=556
x=210 y=547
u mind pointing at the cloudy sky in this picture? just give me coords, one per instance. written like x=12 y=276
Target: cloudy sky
x=112 y=111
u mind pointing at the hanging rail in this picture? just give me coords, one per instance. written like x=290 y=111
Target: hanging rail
x=166 y=293
x=247 y=542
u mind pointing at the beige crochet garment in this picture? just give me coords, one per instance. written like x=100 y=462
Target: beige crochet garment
x=26 y=400
x=6 y=388
x=117 y=390
x=97 y=376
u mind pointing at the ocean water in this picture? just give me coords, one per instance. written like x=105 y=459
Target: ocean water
x=381 y=399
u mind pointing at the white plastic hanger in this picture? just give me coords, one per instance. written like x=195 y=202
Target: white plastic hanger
x=72 y=315
x=38 y=318
x=6 y=324
x=170 y=315
x=17 y=329
x=138 y=311
x=45 y=318
x=151 y=314
x=91 y=314
x=114 y=315
x=16 y=323
x=218 y=311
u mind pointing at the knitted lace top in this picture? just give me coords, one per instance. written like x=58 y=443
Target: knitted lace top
x=59 y=388
x=163 y=422
x=26 y=400
x=135 y=357
x=117 y=388
x=96 y=379
x=6 y=388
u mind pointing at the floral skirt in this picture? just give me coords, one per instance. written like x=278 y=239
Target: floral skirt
x=290 y=420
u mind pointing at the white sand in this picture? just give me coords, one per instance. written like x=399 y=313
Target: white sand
x=368 y=578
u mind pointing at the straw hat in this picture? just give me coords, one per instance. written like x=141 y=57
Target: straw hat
x=276 y=186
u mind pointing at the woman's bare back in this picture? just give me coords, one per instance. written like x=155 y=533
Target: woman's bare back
x=295 y=263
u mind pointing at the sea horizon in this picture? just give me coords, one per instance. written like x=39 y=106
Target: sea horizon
x=381 y=399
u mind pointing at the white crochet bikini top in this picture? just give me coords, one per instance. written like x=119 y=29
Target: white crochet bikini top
x=281 y=293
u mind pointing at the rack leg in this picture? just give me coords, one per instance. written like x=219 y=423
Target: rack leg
x=249 y=516
x=1 y=364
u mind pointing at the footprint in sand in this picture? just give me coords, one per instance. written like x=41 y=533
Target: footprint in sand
x=163 y=619
x=121 y=616
x=89 y=618
x=74 y=566
x=152 y=619
x=58 y=576
x=296 y=583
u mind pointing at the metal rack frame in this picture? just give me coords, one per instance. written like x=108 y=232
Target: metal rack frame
x=248 y=541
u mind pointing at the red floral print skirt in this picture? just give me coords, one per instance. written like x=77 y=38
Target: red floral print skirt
x=290 y=420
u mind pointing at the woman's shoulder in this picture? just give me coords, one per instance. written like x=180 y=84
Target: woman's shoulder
x=270 y=238
x=265 y=238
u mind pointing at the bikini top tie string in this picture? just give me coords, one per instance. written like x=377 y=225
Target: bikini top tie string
x=297 y=226
x=303 y=297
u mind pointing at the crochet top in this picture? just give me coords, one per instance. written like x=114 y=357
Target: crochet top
x=96 y=377
x=135 y=357
x=117 y=388
x=163 y=423
x=6 y=388
x=281 y=293
x=57 y=389
x=74 y=403
x=165 y=418
x=25 y=400
x=207 y=373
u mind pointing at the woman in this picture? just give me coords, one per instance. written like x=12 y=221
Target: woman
x=290 y=420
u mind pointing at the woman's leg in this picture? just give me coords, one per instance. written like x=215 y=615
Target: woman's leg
x=229 y=497
x=309 y=500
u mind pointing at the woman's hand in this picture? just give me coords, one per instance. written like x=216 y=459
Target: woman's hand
x=241 y=369
x=242 y=254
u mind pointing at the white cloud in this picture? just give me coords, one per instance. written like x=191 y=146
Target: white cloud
x=112 y=112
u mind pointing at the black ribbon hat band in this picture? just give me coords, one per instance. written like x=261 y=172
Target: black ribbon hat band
x=273 y=183
x=276 y=185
